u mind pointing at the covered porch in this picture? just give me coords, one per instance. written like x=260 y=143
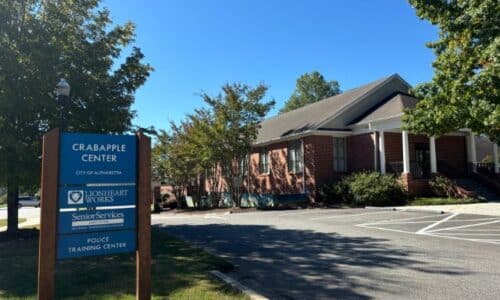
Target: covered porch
x=418 y=158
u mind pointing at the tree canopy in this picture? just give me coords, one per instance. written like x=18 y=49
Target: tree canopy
x=214 y=139
x=43 y=41
x=464 y=92
x=310 y=88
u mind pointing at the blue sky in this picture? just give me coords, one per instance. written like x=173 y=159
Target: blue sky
x=199 y=45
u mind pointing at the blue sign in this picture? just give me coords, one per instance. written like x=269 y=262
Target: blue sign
x=100 y=243
x=92 y=196
x=96 y=220
x=97 y=158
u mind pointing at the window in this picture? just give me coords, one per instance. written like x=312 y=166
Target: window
x=264 y=161
x=339 y=160
x=295 y=157
x=210 y=173
x=244 y=165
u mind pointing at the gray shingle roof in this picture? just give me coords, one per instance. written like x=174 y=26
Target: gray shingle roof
x=311 y=116
x=391 y=108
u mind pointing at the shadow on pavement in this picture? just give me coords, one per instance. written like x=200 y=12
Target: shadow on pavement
x=303 y=264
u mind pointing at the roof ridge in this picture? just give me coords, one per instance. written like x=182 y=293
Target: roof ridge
x=376 y=82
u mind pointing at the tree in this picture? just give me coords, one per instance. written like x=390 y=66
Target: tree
x=174 y=159
x=237 y=114
x=40 y=42
x=310 y=88
x=215 y=139
x=464 y=92
x=185 y=153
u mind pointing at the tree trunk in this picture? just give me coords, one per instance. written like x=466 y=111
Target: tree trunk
x=12 y=211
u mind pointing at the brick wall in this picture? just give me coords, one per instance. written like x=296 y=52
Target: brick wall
x=279 y=180
x=318 y=152
x=320 y=162
x=360 y=153
x=318 y=155
x=451 y=150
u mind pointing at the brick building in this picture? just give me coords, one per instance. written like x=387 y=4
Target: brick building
x=359 y=130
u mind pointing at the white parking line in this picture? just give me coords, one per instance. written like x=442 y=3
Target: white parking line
x=465 y=234
x=464 y=226
x=473 y=234
x=385 y=229
x=352 y=215
x=462 y=239
x=480 y=230
x=423 y=230
x=309 y=211
x=214 y=217
x=407 y=219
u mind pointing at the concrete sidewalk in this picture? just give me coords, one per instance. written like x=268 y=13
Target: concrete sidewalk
x=490 y=209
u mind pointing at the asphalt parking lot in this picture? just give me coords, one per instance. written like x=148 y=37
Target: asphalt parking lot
x=352 y=253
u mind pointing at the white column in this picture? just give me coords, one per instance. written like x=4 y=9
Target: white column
x=406 y=152
x=432 y=148
x=381 y=148
x=472 y=150
x=495 y=158
x=375 y=151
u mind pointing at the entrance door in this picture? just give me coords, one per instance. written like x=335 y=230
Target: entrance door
x=422 y=160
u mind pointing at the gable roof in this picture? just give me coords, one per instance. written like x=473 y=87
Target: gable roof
x=393 y=107
x=314 y=115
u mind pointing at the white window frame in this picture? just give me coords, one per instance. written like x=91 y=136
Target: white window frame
x=295 y=156
x=243 y=165
x=264 y=165
x=339 y=155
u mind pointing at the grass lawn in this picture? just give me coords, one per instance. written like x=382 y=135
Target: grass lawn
x=3 y=222
x=179 y=271
x=441 y=201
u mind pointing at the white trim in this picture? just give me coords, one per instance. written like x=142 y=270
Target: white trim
x=375 y=150
x=296 y=136
x=432 y=150
x=471 y=149
x=406 y=152
x=380 y=119
x=381 y=147
x=362 y=97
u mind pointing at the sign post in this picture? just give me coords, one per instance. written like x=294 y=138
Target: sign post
x=48 y=215
x=95 y=200
x=143 y=254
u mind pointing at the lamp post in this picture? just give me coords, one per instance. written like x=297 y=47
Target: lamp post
x=62 y=92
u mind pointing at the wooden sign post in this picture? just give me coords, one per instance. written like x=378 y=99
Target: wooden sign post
x=75 y=168
x=48 y=215
x=143 y=254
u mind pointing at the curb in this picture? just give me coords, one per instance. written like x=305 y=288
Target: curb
x=409 y=209
x=238 y=286
x=429 y=210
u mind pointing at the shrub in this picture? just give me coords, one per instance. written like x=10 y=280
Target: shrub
x=336 y=192
x=362 y=189
x=443 y=186
x=375 y=189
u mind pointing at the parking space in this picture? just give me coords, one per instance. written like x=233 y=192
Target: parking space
x=466 y=227
x=352 y=253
